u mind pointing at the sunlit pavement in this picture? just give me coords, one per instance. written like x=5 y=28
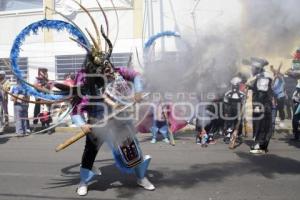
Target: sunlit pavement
x=31 y=169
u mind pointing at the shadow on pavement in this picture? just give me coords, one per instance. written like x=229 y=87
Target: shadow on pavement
x=267 y=165
x=180 y=136
x=111 y=178
x=8 y=130
x=4 y=139
x=290 y=142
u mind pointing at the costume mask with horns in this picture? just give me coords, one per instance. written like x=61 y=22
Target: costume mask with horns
x=97 y=60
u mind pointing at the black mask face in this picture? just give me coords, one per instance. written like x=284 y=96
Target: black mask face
x=104 y=69
x=257 y=70
x=235 y=88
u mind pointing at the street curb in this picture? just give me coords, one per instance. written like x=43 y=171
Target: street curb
x=67 y=129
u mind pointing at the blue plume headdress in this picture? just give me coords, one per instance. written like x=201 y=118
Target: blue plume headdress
x=152 y=39
x=33 y=28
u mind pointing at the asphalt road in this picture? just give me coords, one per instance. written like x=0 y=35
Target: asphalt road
x=31 y=169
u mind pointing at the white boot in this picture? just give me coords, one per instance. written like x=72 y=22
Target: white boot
x=82 y=189
x=153 y=141
x=166 y=140
x=146 y=184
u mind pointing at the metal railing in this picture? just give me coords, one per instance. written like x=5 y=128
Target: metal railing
x=72 y=63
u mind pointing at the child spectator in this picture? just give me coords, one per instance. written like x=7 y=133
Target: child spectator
x=45 y=119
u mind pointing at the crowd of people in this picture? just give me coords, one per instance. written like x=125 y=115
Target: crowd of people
x=41 y=119
x=275 y=99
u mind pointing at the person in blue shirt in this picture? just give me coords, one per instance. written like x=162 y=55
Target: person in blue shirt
x=20 y=109
x=279 y=94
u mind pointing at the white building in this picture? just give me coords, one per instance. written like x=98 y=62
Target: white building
x=137 y=20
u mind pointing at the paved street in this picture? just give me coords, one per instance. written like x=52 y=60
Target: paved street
x=31 y=169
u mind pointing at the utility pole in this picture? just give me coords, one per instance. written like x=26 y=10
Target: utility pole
x=194 y=19
x=162 y=25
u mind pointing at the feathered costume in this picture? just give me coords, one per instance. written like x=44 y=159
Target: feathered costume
x=99 y=89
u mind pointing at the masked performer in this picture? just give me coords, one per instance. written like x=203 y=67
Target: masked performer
x=262 y=101
x=233 y=101
x=294 y=73
x=100 y=90
x=96 y=109
x=296 y=116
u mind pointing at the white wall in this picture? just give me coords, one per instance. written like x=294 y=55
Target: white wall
x=41 y=54
x=176 y=15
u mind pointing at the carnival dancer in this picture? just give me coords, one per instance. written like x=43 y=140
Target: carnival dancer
x=296 y=115
x=97 y=89
x=294 y=73
x=262 y=102
x=93 y=144
x=233 y=104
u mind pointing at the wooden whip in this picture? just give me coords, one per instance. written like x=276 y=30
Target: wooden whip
x=70 y=141
x=86 y=129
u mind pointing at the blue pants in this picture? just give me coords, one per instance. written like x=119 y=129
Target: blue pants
x=21 y=112
x=1 y=117
x=161 y=127
x=92 y=146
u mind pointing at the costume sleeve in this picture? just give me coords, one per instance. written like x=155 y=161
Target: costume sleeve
x=251 y=83
x=128 y=74
x=133 y=76
x=138 y=83
x=294 y=73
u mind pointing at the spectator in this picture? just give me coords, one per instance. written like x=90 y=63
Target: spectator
x=69 y=79
x=233 y=105
x=41 y=82
x=20 y=110
x=45 y=119
x=279 y=94
x=159 y=123
x=290 y=84
x=3 y=100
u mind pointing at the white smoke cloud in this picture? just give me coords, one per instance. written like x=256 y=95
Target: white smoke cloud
x=271 y=27
x=214 y=54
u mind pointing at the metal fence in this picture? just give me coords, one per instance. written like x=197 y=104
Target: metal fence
x=72 y=63
x=23 y=64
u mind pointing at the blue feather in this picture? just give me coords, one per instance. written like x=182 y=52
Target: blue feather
x=152 y=39
x=33 y=29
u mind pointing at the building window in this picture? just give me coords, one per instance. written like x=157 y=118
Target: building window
x=14 y=5
x=23 y=64
x=72 y=63
x=67 y=64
